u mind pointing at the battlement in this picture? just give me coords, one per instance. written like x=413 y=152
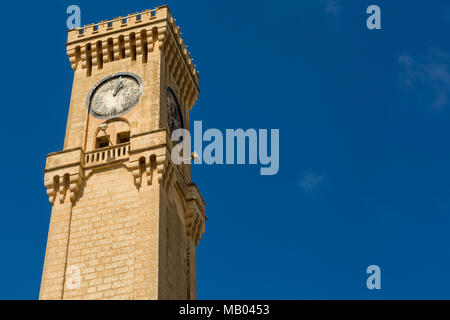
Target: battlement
x=134 y=36
x=119 y=23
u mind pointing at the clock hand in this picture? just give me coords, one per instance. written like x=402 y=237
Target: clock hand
x=115 y=86
x=118 y=86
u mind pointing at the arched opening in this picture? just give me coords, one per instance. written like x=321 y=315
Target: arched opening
x=117 y=131
x=133 y=46
x=144 y=46
x=153 y=162
x=77 y=55
x=110 y=50
x=99 y=55
x=88 y=60
x=121 y=47
x=154 y=36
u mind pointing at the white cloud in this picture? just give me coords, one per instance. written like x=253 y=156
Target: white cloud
x=310 y=181
x=431 y=73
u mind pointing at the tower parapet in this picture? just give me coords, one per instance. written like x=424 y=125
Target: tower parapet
x=134 y=37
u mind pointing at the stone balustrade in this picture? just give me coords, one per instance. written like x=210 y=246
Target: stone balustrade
x=103 y=155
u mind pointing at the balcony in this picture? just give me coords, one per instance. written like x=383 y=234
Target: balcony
x=107 y=154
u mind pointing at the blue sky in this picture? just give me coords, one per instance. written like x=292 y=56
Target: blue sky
x=364 y=130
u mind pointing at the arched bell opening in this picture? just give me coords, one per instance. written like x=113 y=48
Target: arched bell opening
x=112 y=132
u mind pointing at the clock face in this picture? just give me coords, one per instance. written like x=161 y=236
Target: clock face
x=115 y=95
x=174 y=118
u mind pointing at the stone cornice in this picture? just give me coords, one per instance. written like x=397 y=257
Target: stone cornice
x=63 y=151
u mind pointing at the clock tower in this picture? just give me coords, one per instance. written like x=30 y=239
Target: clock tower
x=125 y=220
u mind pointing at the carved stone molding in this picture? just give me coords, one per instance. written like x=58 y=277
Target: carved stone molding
x=136 y=171
x=195 y=222
x=63 y=184
x=139 y=167
x=161 y=168
x=75 y=182
x=63 y=174
x=51 y=192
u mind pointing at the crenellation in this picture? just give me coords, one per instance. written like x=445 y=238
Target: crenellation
x=117 y=23
x=156 y=29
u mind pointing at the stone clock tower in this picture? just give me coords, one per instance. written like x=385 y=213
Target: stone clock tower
x=125 y=220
